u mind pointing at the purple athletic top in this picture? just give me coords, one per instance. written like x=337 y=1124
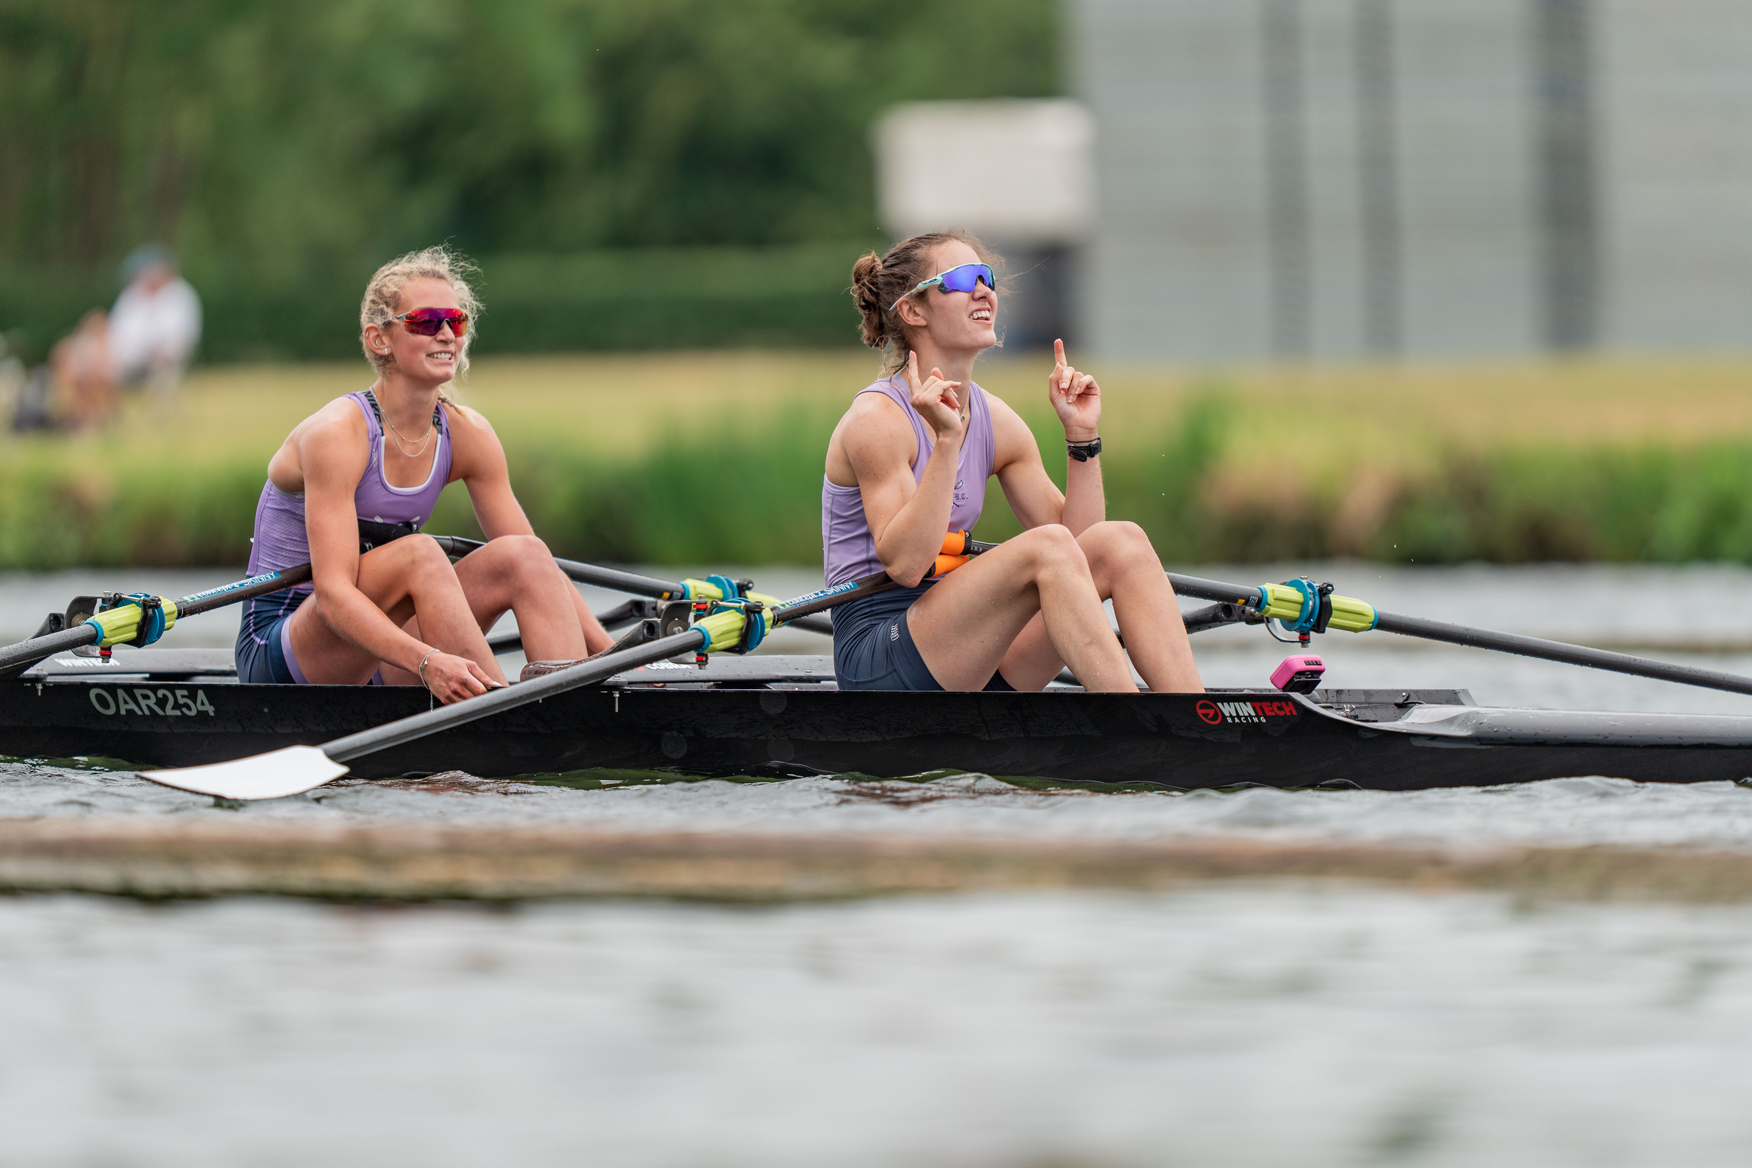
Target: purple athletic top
x=848 y=548
x=281 y=541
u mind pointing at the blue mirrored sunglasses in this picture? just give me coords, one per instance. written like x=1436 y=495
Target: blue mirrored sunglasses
x=963 y=278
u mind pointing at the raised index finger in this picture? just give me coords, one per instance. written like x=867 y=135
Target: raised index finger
x=911 y=371
x=1058 y=350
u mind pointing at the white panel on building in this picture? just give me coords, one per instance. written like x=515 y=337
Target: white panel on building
x=1018 y=170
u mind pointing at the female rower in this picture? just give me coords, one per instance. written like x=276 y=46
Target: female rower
x=349 y=489
x=910 y=461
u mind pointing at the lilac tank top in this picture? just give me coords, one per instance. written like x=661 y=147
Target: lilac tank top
x=847 y=547
x=281 y=540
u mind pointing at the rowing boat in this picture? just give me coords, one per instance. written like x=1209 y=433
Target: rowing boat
x=775 y=716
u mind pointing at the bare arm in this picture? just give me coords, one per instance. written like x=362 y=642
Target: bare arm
x=332 y=453
x=907 y=518
x=1031 y=494
x=479 y=461
x=1077 y=401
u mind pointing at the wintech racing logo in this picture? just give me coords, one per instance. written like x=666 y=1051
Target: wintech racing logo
x=1216 y=713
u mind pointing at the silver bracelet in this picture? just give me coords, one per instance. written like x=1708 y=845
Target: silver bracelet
x=422 y=670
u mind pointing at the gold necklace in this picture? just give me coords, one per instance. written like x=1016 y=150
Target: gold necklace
x=401 y=442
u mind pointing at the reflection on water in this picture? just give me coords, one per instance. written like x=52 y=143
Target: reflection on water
x=1251 y=1026
x=1564 y=812
x=1244 y=1027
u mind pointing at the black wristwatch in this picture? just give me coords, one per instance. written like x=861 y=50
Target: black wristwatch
x=1083 y=451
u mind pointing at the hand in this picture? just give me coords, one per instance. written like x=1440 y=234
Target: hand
x=936 y=401
x=452 y=678
x=1075 y=397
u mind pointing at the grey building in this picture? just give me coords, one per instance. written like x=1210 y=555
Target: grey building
x=1336 y=178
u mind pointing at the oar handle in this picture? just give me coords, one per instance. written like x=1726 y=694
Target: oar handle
x=794 y=610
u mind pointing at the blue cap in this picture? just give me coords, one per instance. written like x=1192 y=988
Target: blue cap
x=147 y=255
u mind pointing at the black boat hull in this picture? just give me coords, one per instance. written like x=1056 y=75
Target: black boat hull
x=1372 y=740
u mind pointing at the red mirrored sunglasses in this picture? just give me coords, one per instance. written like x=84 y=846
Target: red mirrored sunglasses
x=427 y=322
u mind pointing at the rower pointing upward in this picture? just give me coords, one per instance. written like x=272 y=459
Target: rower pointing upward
x=910 y=461
x=353 y=483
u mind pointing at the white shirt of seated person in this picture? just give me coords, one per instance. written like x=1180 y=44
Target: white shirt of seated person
x=153 y=327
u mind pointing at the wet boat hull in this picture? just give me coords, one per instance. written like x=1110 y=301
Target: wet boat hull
x=732 y=722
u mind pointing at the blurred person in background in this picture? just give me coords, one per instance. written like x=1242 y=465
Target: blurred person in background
x=147 y=338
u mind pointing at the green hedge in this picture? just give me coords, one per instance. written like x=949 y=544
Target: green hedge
x=736 y=490
x=653 y=298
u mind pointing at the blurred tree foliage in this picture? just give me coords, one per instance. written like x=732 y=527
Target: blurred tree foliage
x=279 y=143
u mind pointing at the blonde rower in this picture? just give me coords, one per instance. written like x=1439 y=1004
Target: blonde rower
x=351 y=485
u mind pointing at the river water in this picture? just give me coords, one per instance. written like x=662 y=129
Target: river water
x=1251 y=1025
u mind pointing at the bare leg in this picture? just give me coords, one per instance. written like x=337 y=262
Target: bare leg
x=407 y=576
x=517 y=573
x=1124 y=568
x=965 y=625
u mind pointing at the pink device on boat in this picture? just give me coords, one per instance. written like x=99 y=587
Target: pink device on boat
x=1299 y=673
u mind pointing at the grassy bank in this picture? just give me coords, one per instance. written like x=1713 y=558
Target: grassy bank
x=717 y=457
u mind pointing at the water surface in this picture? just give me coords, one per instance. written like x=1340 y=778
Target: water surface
x=1259 y=1025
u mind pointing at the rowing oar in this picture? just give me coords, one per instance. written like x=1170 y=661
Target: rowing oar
x=143 y=619
x=624 y=582
x=1303 y=607
x=738 y=626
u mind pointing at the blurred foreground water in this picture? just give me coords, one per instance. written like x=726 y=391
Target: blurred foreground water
x=1264 y=1027
x=1251 y=1025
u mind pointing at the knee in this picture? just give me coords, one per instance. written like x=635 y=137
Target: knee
x=1118 y=543
x=524 y=557
x=1053 y=546
x=423 y=556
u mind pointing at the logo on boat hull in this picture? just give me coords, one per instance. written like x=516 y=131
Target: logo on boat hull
x=1216 y=713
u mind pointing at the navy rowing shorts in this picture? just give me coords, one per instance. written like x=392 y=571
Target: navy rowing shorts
x=873 y=648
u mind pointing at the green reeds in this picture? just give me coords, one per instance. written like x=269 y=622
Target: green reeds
x=744 y=487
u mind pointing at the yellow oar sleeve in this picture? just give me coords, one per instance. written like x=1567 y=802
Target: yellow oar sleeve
x=122 y=625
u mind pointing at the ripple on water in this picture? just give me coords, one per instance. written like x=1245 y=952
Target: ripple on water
x=1252 y=1027
x=1560 y=812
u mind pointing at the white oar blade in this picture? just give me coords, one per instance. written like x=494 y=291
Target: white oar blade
x=292 y=770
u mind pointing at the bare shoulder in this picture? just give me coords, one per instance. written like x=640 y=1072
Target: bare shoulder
x=876 y=430
x=331 y=441
x=330 y=428
x=462 y=419
x=873 y=432
x=475 y=451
